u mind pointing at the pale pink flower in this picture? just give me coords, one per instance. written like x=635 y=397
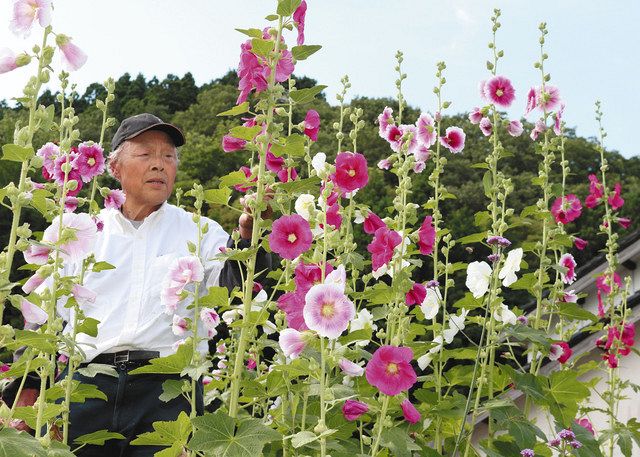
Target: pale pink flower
x=210 y=319
x=539 y=128
x=567 y=261
x=72 y=56
x=422 y=153
x=532 y=101
x=26 y=11
x=179 y=326
x=7 y=60
x=384 y=164
x=36 y=254
x=292 y=342
x=569 y=296
x=515 y=128
x=70 y=203
x=221 y=348
x=475 y=115
x=90 y=160
x=32 y=283
x=83 y=295
x=114 y=199
x=549 y=99
x=410 y=412
x=427 y=134
x=327 y=310
x=499 y=91
x=485 y=126
x=385 y=119
x=48 y=152
x=32 y=314
x=453 y=139
x=481 y=89
x=350 y=369
x=557 y=124
x=419 y=166
x=169 y=298
x=185 y=270
x=337 y=277
x=177 y=344
x=299 y=17
x=85 y=234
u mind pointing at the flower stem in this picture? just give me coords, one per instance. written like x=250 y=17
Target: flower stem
x=380 y=425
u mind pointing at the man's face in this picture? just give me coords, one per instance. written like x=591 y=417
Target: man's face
x=146 y=169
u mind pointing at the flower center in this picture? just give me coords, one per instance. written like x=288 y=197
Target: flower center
x=186 y=273
x=392 y=368
x=292 y=238
x=91 y=161
x=328 y=310
x=499 y=92
x=351 y=172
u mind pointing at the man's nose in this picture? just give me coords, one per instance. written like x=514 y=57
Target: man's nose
x=157 y=162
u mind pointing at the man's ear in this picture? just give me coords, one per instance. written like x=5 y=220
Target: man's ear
x=114 y=168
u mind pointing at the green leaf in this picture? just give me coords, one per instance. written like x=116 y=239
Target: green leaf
x=98 y=438
x=261 y=47
x=398 y=442
x=524 y=333
x=474 y=238
x=527 y=281
x=363 y=334
x=565 y=393
x=19 y=444
x=233 y=178
x=590 y=446
x=39 y=201
x=79 y=392
x=217 y=296
x=468 y=302
x=18 y=368
x=300 y=185
x=287 y=7
x=166 y=433
x=293 y=146
x=272 y=17
x=16 y=153
x=239 y=109
x=303 y=438
x=302 y=96
x=253 y=33
x=93 y=369
x=39 y=341
x=379 y=294
x=483 y=165
x=217 y=196
x=304 y=51
x=29 y=414
x=101 y=266
x=487 y=184
x=528 y=383
x=245 y=133
x=171 y=364
x=89 y=326
x=220 y=435
x=576 y=312
x=482 y=219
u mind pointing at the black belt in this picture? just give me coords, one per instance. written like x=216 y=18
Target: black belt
x=117 y=358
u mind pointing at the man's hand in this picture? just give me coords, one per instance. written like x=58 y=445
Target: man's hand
x=246 y=220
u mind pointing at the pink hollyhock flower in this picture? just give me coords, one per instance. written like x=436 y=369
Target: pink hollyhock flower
x=285 y=66
x=290 y=236
x=427 y=134
x=453 y=139
x=475 y=116
x=624 y=222
x=327 y=310
x=32 y=283
x=569 y=297
x=399 y=136
x=251 y=363
x=72 y=56
x=560 y=351
x=579 y=243
x=596 y=192
x=99 y=223
x=382 y=246
x=308 y=275
x=485 y=126
x=351 y=171
x=63 y=162
x=70 y=204
x=422 y=153
x=298 y=17
x=48 y=152
x=352 y=409
x=248 y=174
x=615 y=200
x=372 y=223
x=416 y=295
x=410 y=412
x=312 y=124
x=274 y=164
x=32 y=314
x=532 y=100
x=179 y=326
x=232 y=144
x=586 y=423
x=539 y=128
x=63 y=358
x=611 y=359
x=481 y=89
x=628 y=334
x=185 y=270
x=515 y=128
x=385 y=119
x=291 y=342
x=557 y=124
x=292 y=303
x=35 y=254
x=210 y=320
x=390 y=369
x=499 y=91
x=83 y=295
x=251 y=72
x=394 y=135
x=26 y=11
x=114 y=199
x=567 y=261
x=426 y=236
x=549 y=98
x=287 y=174
x=566 y=209
x=90 y=160
x=419 y=167
x=333 y=216
x=8 y=60
x=85 y=234
x=384 y=164
x=600 y=304
x=350 y=369
x=603 y=282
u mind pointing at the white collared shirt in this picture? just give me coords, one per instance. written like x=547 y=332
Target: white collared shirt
x=128 y=297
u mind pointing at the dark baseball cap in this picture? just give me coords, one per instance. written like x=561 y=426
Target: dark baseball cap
x=135 y=125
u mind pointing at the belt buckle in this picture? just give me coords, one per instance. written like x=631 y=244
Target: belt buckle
x=121 y=358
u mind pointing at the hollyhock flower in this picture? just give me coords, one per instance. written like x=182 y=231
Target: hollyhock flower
x=251 y=363
x=615 y=200
x=291 y=342
x=569 y=296
x=478 y=276
x=505 y=315
x=557 y=124
x=8 y=60
x=273 y=163
x=312 y=124
x=337 y=277
x=32 y=314
x=390 y=370
x=475 y=116
x=36 y=254
x=285 y=66
x=292 y=303
x=499 y=91
x=84 y=229
x=419 y=166
x=431 y=303
x=481 y=86
x=498 y=241
x=114 y=199
x=372 y=223
x=352 y=409
x=290 y=236
x=522 y=319
x=453 y=139
x=48 y=152
x=567 y=261
x=26 y=11
x=232 y=144
x=382 y=246
x=560 y=351
x=363 y=319
x=90 y=160
x=319 y=163
x=515 y=128
x=416 y=295
x=83 y=295
x=298 y=17
x=409 y=412
x=385 y=119
x=70 y=204
x=384 y=164
x=185 y=270
x=351 y=171
x=596 y=192
x=549 y=98
x=566 y=209
x=211 y=320
x=603 y=282
x=628 y=334
x=305 y=205
x=485 y=126
x=350 y=369
x=179 y=326
x=249 y=176
x=624 y=222
x=579 y=243
x=32 y=283
x=308 y=275
x=532 y=100
x=456 y=324
x=251 y=73
x=327 y=310
x=426 y=131
x=72 y=56
x=422 y=153
x=287 y=174
x=397 y=137
x=539 y=128
x=426 y=236
x=586 y=423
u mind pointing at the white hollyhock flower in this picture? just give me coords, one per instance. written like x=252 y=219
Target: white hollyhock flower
x=478 y=276
x=319 y=163
x=305 y=204
x=424 y=361
x=505 y=315
x=510 y=267
x=337 y=277
x=456 y=324
x=359 y=218
x=431 y=303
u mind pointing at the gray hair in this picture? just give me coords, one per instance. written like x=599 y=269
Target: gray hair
x=114 y=156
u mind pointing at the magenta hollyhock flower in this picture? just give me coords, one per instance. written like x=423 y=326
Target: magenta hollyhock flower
x=397 y=136
x=549 y=98
x=603 y=282
x=312 y=124
x=532 y=100
x=292 y=303
x=308 y=275
x=475 y=116
x=382 y=246
x=251 y=72
x=285 y=66
x=251 y=363
x=72 y=56
x=416 y=295
x=385 y=120
x=185 y=270
x=85 y=234
x=32 y=314
x=210 y=320
x=453 y=139
x=351 y=171
x=35 y=254
x=409 y=412
x=426 y=236
x=427 y=134
x=248 y=175
x=290 y=236
x=32 y=283
x=232 y=144
x=114 y=199
x=586 y=423
x=624 y=222
x=567 y=261
x=298 y=17
x=350 y=369
x=287 y=174
x=579 y=243
x=60 y=164
x=26 y=11
x=353 y=409
x=596 y=192
x=70 y=204
x=334 y=218
x=372 y=223
x=179 y=326
x=485 y=126
x=328 y=310
x=557 y=124
x=390 y=369
x=560 y=351
x=566 y=209
x=90 y=160
x=499 y=91
x=291 y=342
x=393 y=135
x=515 y=128
x=273 y=163
x=48 y=152
x=615 y=200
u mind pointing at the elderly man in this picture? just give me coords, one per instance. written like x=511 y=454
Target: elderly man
x=142 y=240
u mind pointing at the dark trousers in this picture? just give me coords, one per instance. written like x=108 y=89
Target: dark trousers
x=131 y=408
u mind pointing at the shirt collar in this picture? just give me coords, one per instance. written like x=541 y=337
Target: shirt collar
x=126 y=225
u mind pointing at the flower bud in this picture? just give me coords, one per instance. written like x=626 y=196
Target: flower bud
x=72 y=185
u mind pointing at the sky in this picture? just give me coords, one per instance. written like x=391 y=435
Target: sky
x=593 y=48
